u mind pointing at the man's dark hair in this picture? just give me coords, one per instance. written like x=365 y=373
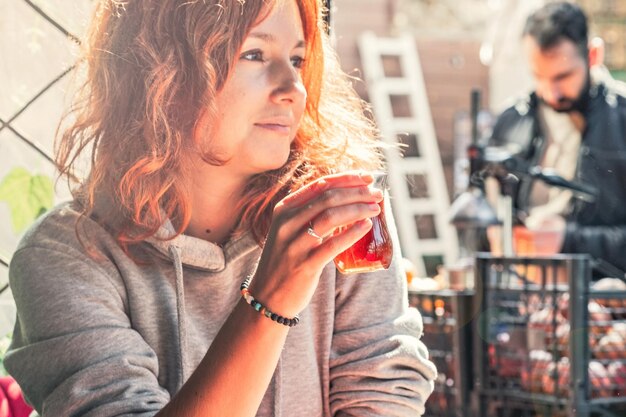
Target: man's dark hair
x=557 y=21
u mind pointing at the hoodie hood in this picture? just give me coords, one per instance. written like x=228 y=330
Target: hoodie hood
x=198 y=253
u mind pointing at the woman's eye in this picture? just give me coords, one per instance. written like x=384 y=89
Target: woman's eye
x=254 y=55
x=297 y=61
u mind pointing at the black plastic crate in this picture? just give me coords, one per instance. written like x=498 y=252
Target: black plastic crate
x=447 y=334
x=547 y=343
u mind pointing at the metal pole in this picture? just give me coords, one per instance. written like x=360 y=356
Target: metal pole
x=505 y=206
x=481 y=329
x=474 y=150
x=462 y=307
x=579 y=275
x=474 y=110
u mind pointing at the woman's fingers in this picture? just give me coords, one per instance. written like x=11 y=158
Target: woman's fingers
x=332 y=218
x=316 y=188
x=328 y=210
x=319 y=208
x=338 y=242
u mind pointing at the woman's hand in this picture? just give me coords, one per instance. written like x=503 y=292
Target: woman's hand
x=292 y=259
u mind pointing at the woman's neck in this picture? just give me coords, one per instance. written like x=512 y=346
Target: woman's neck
x=214 y=208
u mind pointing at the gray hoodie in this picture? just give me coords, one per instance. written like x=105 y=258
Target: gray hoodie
x=102 y=335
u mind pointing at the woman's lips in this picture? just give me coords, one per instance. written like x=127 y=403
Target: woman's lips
x=275 y=127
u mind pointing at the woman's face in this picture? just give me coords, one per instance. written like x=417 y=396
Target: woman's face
x=261 y=104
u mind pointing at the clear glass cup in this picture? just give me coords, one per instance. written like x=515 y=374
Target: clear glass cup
x=374 y=250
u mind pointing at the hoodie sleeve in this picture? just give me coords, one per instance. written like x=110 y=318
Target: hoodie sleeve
x=378 y=365
x=74 y=352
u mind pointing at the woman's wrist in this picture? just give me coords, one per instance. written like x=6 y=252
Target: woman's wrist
x=263 y=309
x=276 y=297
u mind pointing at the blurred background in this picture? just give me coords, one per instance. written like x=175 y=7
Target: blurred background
x=461 y=45
x=458 y=46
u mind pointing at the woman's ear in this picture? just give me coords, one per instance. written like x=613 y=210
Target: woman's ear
x=596 y=52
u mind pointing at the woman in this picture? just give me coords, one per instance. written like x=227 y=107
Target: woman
x=225 y=143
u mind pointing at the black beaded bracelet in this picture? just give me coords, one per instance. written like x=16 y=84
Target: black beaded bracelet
x=245 y=293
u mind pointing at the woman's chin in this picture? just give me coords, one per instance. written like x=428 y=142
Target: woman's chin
x=276 y=160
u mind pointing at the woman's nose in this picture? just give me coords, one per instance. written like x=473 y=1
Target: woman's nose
x=288 y=86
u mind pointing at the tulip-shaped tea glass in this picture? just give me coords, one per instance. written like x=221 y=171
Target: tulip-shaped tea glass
x=374 y=250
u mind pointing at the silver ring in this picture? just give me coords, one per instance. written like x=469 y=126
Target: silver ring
x=311 y=232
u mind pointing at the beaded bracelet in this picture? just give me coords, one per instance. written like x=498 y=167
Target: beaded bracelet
x=245 y=293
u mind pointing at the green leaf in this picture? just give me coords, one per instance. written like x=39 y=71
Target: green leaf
x=41 y=194
x=28 y=196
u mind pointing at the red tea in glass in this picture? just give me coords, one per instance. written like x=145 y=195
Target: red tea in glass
x=374 y=250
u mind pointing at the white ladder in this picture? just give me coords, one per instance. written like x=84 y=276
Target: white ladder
x=411 y=207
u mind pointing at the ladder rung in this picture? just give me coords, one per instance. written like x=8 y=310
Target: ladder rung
x=433 y=248
x=385 y=46
x=399 y=86
x=414 y=166
x=407 y=125
x=422 y=206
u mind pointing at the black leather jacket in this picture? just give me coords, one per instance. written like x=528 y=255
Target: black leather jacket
x=597 y=228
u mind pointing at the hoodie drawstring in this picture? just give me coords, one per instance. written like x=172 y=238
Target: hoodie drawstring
x=180 y=307
x=174 y=252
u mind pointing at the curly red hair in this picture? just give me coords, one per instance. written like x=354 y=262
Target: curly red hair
x=153 y=71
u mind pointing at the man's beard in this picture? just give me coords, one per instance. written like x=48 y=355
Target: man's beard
x=580 y=104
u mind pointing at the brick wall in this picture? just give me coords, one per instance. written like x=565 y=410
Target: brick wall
x=451 y=67
x=349 y=19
